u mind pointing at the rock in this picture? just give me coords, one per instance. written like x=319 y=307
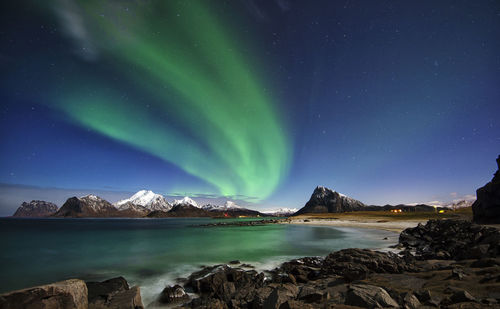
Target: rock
x=173 y=294
x=356 y=264
x=113 y=293
x=69 y=294
x=461 y=297
x=234 y=262
x=423 y=296
x=410 y=301
x=299 y=270
x=486 y=208
x=310 y=294
x=326 y=200
x=207 y=303
x=451 y=239
x=369 y=296
x=457 y=273
x=485 y=262
x=489 y=301
x=295 y=304
x=35 y=209
x=280 y=295
x=247 y=266
x=222 y=282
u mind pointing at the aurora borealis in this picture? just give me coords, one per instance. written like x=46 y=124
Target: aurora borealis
x=257 y=101
x=208 y=109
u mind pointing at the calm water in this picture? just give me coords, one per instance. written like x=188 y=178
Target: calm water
x=153 y=252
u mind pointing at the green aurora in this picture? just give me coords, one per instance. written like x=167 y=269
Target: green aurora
x=206 y=105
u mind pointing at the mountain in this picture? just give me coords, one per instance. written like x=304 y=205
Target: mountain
x=185 y=207
x=132 y=210
x=227 y=206
x=281 y=212
x=230 y=209
x=326 y=200
x=87 y=206
x=35 y=209
x=461 y=204
x=181 y=210
x=185 y=201
x=486 y=209
x=147 y=199
x=405 y=208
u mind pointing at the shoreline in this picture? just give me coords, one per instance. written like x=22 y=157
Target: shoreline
x=391 y=226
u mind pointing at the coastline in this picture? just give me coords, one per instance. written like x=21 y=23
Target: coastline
x=391 y=226
x=430 y=271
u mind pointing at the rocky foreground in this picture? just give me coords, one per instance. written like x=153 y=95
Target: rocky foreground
x=442 y=264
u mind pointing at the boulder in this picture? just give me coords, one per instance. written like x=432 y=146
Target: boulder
x=207 y=303
x=309 y=294
x=113 y=293
x=451 y=239
x=173 y=294
x=295 y=304
x=410 y=301
x=461 y=297
x=280 y=295
x=68 y=294
x=222 y=282
x=369 y=296
x=486 y=208
x=299 y=270
x=356 y=264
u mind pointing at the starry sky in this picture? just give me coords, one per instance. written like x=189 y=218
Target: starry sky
x=255 y=101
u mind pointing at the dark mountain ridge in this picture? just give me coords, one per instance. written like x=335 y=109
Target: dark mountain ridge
x=35 y=209
x=324 y=200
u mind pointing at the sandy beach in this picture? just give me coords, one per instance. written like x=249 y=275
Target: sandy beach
x=393 y=226
x=383 y=220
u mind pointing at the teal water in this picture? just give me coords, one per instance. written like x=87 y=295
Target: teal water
x=153 y=252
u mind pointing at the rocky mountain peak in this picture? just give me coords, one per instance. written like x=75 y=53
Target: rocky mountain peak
x=36 y=208
x=186 y=201
x=86 y=206
x=325 y=200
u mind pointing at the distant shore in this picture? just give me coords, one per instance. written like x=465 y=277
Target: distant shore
x=395 y=226
x=382 y=220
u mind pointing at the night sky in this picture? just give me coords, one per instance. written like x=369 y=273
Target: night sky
x=256 y=101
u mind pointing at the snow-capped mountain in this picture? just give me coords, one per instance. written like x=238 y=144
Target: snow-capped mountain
x=229 y=205
x=185 y=201
x=281 y=212
x=147 y=199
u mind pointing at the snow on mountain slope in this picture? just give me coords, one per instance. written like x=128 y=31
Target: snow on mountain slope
x=281 y=211
x=229 y=205
x=185 y=201
x=147 y=199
